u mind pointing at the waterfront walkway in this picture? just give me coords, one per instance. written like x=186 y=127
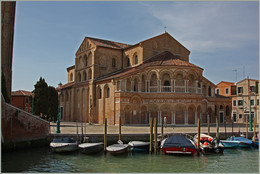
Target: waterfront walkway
x=71 y=128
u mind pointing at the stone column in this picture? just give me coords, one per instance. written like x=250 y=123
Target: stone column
x=120 y=87
x=196 y=89
x=173 y=117
x=196 y=113
x=139 y=86
x=171 y=85
x=174 y=85
x=132 y=85
x=145 y=90
x=148 y=85
x=158 y=85
x=159 y=117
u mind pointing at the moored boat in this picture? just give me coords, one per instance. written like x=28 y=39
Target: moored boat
x=139 y=146
x=63 y=145
x=119 y=148
x=209 y=144
x=234 y=142
x=91 y=148
x=178 y=144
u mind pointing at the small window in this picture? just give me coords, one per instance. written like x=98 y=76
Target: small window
x=252 y=102
x=113 y=62
x=26 y=100
x=252 y=89
x=240 y=116
x=227 y=91
x=240 y=102
x=240 y=90
x=258 y=102
x=218 y=91
x=234 y=102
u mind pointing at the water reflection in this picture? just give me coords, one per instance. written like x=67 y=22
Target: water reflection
x=42 y=160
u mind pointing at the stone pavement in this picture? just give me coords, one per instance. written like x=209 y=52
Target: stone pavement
x=71 y=128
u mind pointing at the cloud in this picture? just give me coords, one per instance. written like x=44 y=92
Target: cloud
x=209 y=26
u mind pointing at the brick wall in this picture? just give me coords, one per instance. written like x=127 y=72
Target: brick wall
x=18 y=125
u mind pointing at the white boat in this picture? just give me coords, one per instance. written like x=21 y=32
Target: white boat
x=139 y=146
x=90 y=148
x=63 y=145
x=117 y=148
x=209 y=144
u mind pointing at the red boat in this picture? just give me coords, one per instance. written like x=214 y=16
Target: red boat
x=178 y=144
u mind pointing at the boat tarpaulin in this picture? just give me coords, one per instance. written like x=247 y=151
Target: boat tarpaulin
x=177 y=141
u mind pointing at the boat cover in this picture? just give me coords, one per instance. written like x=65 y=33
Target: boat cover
x=177 y=141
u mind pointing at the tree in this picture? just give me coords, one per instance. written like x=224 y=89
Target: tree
x=53 y=104
x=4 y=89
x=41 y=97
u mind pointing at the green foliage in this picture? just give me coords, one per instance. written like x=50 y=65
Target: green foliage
x=45 y=100
x=4 y=89
x=41 y=97
x=53 y=104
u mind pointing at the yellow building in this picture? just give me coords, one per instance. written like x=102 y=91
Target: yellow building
x=152 y=78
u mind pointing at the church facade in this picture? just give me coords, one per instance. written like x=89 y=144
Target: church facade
x=152 y=78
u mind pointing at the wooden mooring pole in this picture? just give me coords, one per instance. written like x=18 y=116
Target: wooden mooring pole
x=162 y=122
x=254 y=129
x=151 y=134
x=246 y=126
x=105 y=135
x=198 y=143
x=208 y=124
x=155 y=134
x=119 y=128
x=217 y=132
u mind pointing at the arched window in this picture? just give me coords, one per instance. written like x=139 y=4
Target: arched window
x=136 y=59
x=113 y=62
x=84 y=75
x=107 y=95
x=128 y=62
x=89 y=74
x=79 y=77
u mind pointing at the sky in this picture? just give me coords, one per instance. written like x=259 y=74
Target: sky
x=221 y=36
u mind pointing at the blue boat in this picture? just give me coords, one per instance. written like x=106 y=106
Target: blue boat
x=234 y=142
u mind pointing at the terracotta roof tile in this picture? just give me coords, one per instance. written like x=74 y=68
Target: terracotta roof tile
x=21 y=93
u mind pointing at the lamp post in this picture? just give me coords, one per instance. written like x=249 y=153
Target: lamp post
x=58 y=116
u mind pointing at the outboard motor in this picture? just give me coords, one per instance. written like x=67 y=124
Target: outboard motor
x=215 y=142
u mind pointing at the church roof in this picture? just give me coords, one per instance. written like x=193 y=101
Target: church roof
x=107 y=43
x=165 y=58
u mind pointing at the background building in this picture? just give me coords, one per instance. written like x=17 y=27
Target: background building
x=152 y=78
x=245 y=98
x=20 y=99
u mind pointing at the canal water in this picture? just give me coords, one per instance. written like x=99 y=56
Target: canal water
x=42 y=160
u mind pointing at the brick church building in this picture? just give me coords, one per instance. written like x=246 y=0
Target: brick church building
x=152 y=78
